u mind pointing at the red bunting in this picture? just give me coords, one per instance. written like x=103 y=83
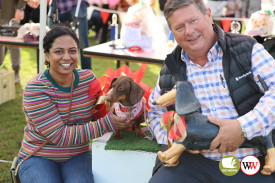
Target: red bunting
x=226 y=24
x=104 y=16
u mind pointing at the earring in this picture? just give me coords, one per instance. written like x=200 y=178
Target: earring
x=47 y=63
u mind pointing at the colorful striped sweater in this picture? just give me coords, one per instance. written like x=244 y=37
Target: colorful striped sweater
x=46 y=104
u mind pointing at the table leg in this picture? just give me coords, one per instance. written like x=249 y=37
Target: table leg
x=118 y=64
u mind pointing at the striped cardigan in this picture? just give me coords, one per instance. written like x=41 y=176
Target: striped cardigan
x=46 y=104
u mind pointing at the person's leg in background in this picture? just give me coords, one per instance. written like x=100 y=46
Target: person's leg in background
x=86 y=62
x=95 y=23
x=49 y=17
x=105 y=27
x=3 y=51
x=15 y=59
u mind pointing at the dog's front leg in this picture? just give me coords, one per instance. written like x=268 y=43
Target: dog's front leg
x=138 y=130
x=171 y=156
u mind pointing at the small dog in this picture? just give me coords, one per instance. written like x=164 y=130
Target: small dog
x=127 y=96
x=198 y=131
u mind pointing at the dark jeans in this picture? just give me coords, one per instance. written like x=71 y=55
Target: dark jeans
x=195 y=168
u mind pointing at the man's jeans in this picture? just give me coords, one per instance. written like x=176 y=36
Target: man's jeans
x=40 y=170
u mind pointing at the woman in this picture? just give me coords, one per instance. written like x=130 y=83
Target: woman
x=59 y=112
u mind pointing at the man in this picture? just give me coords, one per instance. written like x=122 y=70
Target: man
x=209 y=58
x=249 y=7
x=9 y=10
x=66 y=12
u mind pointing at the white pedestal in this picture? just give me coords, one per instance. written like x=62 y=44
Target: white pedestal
x=112 y=166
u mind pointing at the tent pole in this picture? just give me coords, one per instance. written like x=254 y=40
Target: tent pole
x=43 y=15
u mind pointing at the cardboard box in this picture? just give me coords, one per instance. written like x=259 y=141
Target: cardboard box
x=7 y=85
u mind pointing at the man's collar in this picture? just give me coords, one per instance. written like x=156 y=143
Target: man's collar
x=211 y=55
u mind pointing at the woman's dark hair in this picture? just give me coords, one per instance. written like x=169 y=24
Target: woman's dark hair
x=55 y=32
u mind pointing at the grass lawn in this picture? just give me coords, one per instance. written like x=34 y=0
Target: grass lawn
x=12 y=119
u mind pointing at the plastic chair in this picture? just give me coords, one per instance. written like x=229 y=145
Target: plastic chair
x=12 y=171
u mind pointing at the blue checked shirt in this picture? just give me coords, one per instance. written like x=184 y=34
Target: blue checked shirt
x=215 y=100
x=67 y=5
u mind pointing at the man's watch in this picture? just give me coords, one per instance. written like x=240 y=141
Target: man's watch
x=244 y=135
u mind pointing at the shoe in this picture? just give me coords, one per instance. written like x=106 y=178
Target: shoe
x=16 y=75
x=17 y=78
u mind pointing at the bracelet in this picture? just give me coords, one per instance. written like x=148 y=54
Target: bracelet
x=22 y=8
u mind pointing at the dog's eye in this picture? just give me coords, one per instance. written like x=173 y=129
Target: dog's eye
x=120 y=88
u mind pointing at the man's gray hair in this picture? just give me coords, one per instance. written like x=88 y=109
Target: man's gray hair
x=172 y=5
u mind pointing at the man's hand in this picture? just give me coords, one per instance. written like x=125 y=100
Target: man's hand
x=120 y=123
x=229 y=137
x=19 y=15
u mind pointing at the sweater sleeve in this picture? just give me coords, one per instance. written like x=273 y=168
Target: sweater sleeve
x=78 y=134
x=44 y=114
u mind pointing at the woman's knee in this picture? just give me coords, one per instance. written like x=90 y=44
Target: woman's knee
x=39 y=170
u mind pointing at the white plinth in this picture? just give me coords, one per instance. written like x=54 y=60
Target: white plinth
x=112 y=166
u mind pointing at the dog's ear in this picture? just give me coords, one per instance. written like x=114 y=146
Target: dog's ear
x=136 y=92
x=111 y=85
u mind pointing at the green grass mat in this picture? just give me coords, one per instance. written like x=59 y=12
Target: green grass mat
x=129 y=141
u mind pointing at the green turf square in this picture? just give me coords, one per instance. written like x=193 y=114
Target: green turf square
x=130 y=142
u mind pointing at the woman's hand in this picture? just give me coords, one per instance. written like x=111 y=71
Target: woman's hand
x=19 y=15
x=120 y=123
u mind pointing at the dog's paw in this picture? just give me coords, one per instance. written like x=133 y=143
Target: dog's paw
x=139 y=133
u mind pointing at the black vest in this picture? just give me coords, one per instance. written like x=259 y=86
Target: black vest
x=237 y=50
